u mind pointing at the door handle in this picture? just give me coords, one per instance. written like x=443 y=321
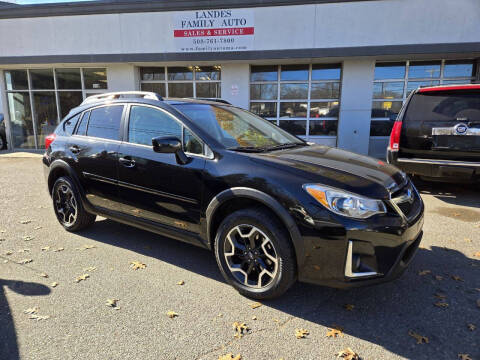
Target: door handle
x=74 y=149
x=127 y=161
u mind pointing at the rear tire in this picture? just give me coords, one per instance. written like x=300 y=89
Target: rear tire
x=254 y=254
x=68 y=206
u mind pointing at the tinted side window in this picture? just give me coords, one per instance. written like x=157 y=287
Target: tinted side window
x=147 y=123
x=191 y=144
x=105 y=122
x=69 y=125
x=82 y=127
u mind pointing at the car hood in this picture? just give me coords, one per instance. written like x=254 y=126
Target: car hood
x=339 y=168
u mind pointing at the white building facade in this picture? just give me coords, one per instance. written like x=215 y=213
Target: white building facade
x=332 y=72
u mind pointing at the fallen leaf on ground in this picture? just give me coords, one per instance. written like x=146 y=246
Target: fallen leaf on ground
x=468 y=240
x=301 y=333
x=240 y=329
x=45 y=248
x=424 y=272
x=477 y=254
x=86 y=247
x=43 y=275
x=471 y=327
x=8 y=252
x=464 y=357
x=37 y=228
x=38 y=317
x=90 y=269
x=255 y=305
x=171 y=314
x=2 y=239
x=348 y=354
x=54 y=284
x=25 y=222
x=27 y=238
x=457 y=278
x=335 y=331
x=33 y=310
x=58 y=249
x=441 y=304
x=420 y=339
x=456 y=214
x=25 y=261
x=23 y=250
x=113 y=303
x=181 y=282
x=81 y=277
x=5 y=261
x=230 y=357
x=137 y=265
x=254 y=317
x=349 y=307
x=438 y=277
x=440 y=296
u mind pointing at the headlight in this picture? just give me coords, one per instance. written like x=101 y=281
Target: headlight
x=345 y=203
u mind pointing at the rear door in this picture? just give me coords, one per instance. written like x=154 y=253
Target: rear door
x=442 y=124
x=153 y=186
x=94 y=154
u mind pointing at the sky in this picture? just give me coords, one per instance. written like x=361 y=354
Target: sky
x=25 y=2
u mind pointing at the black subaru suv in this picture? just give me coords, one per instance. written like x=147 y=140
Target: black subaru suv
x=272 y=207
x=437 y=134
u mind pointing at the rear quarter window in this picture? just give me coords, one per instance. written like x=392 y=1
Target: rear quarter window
x=69 y=125
x=444 y=106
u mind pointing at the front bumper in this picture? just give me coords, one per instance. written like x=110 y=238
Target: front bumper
x=358 y=253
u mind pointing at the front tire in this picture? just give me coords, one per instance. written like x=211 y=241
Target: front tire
x=255 y=254
x=68 y=206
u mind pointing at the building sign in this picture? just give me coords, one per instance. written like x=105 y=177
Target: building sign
x=214 y=30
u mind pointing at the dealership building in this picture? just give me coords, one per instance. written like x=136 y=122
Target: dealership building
x=330 y=71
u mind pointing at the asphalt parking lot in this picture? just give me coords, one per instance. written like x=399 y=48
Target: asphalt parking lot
x=73 y=321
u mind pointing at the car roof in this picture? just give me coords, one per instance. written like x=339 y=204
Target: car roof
x=452 y=87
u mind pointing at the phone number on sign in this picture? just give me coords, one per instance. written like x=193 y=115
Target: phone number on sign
x=213 y=41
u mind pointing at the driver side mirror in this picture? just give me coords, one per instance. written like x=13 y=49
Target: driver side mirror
x=170 y=145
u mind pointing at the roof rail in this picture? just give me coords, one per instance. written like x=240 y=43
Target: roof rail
x=122 y=94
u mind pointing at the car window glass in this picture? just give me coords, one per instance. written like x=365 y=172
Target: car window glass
x=69 y=125
x=105 y=122
x=82 y=127
x=147 y=123
x=443 y=106
x=191 y=144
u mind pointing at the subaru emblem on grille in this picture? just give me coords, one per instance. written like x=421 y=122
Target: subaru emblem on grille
x=460 y=128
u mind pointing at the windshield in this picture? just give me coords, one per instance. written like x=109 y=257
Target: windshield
x=444 y=106
x=236 y=128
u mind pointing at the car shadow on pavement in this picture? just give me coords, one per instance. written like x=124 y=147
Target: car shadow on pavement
x=382 y=314
x=454 y=194
x=8 y=336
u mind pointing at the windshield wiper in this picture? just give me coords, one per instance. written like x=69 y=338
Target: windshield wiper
x=284 y=146
x=248 y=148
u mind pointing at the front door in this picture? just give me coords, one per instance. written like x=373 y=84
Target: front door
x=153 y=186
x=93 y=151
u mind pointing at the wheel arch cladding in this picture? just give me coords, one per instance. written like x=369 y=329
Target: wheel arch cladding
x=246 y=197
x=60 y=168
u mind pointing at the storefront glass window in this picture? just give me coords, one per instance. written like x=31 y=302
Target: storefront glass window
x=301 y=95
x=21 y=123
x=394 y=81
x=68 y=79
x=190 y=81
x=16 y=79
x=47 y=96
x=95 y=78
x=42 y=79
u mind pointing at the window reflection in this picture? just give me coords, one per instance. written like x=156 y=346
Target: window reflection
x=208 y=90
x=264 y=73
x=388 y=90
x=326 y=71
x=424 y=69
x=263 y=91
x=390 y=70
x=293 y=109
x=295 y=127
x=158 y=88
x=293 y=91
x=179 y=73
x=324 y=109
x=21 y=123
x=266 y=110
x=294 y=72
x=459 y=68
x=46 y=117
x=386 y=109
x=42 y=79
x=323 y=127
x=328 y=90
x=16 y=79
